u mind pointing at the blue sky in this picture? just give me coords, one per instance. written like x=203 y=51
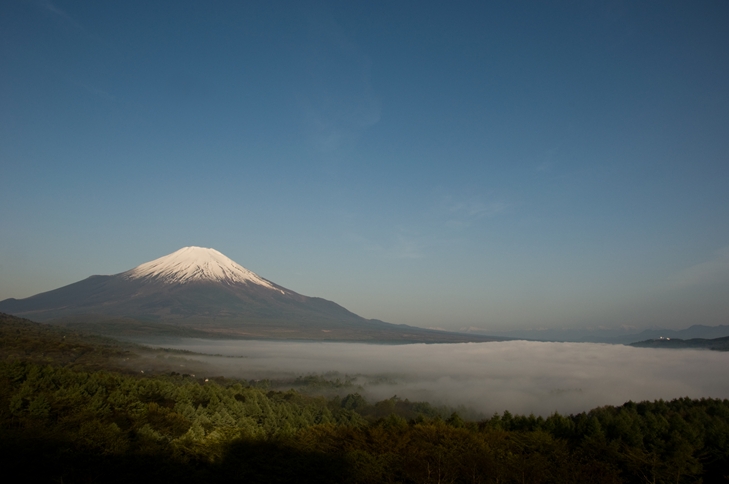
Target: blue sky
x=490 y=164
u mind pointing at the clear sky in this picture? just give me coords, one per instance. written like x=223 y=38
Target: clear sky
x=502 y=165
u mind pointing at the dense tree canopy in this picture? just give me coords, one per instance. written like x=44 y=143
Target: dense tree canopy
x=66 y=421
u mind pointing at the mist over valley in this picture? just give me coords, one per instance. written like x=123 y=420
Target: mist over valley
x=519 y=376
x=189 y=299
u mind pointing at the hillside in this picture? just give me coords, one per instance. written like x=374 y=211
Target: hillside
x=200 y=292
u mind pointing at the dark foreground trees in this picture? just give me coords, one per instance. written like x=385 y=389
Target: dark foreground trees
x=58 y=424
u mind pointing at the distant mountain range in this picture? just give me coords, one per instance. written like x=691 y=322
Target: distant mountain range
x=200 y=292
x=612 y=336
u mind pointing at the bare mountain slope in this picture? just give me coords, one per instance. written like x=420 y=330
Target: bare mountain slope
x=202 y=289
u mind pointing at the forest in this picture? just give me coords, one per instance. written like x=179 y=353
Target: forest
x=71 y=411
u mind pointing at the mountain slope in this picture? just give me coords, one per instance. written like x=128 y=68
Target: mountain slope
x=202 y=289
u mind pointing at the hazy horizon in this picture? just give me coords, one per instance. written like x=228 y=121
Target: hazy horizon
x=501 y=166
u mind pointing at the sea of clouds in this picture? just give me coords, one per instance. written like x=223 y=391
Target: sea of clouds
x=520 y=376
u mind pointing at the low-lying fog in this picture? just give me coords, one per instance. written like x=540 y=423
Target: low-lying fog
x=520 y=376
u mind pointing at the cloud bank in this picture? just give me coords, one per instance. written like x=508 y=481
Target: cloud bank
x=520 y=376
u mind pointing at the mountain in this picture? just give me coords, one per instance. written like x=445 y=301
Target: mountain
x=197 y=291
x=612 y=336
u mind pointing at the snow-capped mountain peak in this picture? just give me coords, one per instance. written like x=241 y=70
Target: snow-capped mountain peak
x=191 y=264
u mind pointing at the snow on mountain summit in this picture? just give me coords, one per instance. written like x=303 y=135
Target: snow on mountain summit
x=191 y=264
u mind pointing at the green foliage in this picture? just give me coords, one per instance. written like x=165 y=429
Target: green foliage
x=25 y=340
x=86 y=422
x=178 y=421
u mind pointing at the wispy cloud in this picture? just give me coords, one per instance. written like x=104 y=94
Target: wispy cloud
x=464 y=213
x=55 y=10
x=548 y=161
x=406 y=247
x=57 y=13
x=98 y=92
x=432 y=231
x=337 y=98
x=399 y=246
x=713 y=271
